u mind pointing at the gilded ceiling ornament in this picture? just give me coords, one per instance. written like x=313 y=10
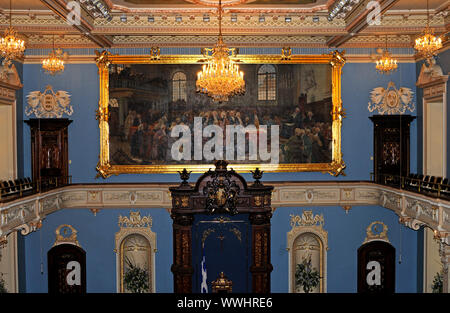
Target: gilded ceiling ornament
x=48 y=104
x=391 y=100
x=286 y=53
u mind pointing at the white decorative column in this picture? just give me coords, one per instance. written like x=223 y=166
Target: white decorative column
x=434 y=84
x=444 y=252
x=9 y=84
x=8 y=263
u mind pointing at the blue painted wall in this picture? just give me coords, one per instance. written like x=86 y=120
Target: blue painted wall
x=346 y=233
x=81 y=81
x=96 y=234
x=96 y=237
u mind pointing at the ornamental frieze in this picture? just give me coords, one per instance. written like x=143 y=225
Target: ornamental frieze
x=367 y=195
x=415 y=210
x=150 y=196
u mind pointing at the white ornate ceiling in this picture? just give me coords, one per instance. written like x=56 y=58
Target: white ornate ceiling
x=257 y=23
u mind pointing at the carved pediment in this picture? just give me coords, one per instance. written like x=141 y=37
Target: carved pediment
x=9 y=83
x=431 y=74
x=9 y=77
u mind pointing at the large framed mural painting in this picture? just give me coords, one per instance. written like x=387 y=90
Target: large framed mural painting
x=153 y=120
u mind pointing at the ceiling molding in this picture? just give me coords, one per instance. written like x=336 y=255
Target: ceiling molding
x=356 y=22
x=342 y=33
x=86 y=25
x=145 y=41
x=90 y=59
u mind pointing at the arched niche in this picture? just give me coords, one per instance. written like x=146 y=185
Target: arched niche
x=135 y=242
x=307 y=239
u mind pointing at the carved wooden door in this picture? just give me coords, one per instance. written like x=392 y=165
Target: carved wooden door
x=66 y=269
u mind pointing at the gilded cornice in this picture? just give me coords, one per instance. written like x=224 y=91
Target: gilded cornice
x=301 y=41
x=245 y=25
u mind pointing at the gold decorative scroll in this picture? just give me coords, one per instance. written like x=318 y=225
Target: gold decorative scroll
x=376 y=231
x=335 y=167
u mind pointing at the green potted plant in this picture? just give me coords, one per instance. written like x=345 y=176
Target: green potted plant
x=306 y=276
x=136 y=278
x=437 y=284
x=2 y=284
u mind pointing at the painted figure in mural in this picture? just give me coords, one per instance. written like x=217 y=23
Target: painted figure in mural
x=295 y=147
x=143 y=136
x=137 y=137
x=128 y=123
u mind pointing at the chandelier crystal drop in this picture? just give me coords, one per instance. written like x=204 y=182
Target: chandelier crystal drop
x=220 y=78
x=428 y=44
x=54 y=63
x=11 y=46
x=386 y=64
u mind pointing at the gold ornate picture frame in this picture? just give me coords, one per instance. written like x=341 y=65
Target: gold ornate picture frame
x=105 y=59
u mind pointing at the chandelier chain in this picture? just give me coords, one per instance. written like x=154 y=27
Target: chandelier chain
x=386 y=64
x=428 y=44
x=11 y=47
x=220 y=77
x=54 y=63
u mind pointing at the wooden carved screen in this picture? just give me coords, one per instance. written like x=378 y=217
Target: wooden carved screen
x=221 y=192
x=391 y=146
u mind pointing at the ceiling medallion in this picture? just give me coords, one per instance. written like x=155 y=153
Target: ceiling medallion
x=54 y=63
x=220 y=77
x=428 y=44
x=385 y=63
x=11 y=46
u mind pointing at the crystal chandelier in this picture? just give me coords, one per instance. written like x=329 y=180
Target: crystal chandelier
x=428 y=44
x=385 y=63
x=220 y=77
x=11 y=46
x=54 y=63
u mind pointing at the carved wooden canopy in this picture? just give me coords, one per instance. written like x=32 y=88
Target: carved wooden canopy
x=221 y=191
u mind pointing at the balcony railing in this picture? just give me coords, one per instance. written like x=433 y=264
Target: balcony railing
x=433 y=186
x=13 y=189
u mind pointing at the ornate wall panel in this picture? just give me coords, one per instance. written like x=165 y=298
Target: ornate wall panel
x=135 y=242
